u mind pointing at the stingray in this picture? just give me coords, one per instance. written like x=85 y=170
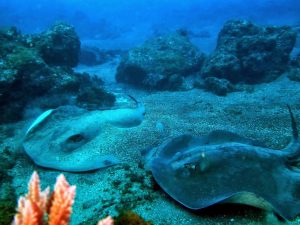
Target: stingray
x=223 y=167
x=59 y=138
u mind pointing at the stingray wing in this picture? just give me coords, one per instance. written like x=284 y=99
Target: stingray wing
x=200 y=172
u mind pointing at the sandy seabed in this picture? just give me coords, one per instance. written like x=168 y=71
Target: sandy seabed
x=260 y=114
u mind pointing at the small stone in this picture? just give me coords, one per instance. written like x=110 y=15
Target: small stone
x=218 y=86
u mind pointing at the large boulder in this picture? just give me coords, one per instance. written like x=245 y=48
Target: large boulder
x=248 y=53
x=160 y=63
x=59 y=45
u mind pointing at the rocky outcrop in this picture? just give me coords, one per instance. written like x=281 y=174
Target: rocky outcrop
x=161 y=63
x=248 y=53
x=29 y=77
x=59 y=46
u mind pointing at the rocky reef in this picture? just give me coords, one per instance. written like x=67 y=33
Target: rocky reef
x=161 y=63
x=245 y=54
x=36 y=70
x=249 y=53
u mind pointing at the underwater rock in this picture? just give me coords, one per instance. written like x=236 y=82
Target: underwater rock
x=63 y=138
x=161 y=63
x=59 y=46
x=223 y=167
x=9 y=33
x=19 y=67
x=94 y=97
x=27 y=79
x=218 y=86
x=248 y=53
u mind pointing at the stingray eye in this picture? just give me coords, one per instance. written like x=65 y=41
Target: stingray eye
x=73 y=142
x=75 y=138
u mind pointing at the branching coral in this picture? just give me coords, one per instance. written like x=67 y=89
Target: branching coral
x=36 y=205
x=61 y=205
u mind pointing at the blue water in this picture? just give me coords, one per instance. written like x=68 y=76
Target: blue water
x=132 y=21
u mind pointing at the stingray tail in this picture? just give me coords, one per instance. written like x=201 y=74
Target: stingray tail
x=133 y=99
x=140 y=106
x=293 y=148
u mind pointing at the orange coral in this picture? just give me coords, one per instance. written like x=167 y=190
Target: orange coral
x=33 y=207
x=26 y=213
x=63 y=199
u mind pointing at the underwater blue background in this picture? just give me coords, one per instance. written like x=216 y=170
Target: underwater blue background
x=131 y=22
